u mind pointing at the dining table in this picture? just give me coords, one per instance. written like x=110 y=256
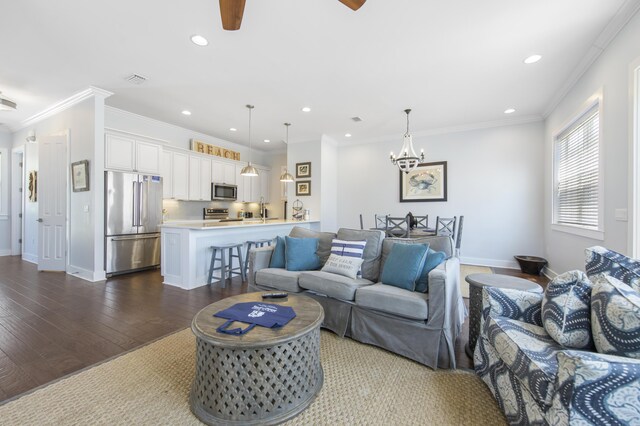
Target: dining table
x=413 y=233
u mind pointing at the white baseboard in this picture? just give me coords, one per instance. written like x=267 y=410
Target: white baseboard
x=33 y=258
x=478 y=261
x=5 y=252
x=85 y=274
x=549 y=273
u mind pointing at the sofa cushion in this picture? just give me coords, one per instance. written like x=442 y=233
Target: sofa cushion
x=301 y=254
x=529 y=352
x=278 y=259
x=372 y=250
x=566 y=310
x=343 y=265
x=324 y=244
x=280 y=279
x=404 y=265
x=443 y=244
x=434 y=258
x=615 y=317
x=394 y=300
x=332 y=285
x=600 y=260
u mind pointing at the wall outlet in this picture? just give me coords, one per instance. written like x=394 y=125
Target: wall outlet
x=621 y=215
x=85 y=208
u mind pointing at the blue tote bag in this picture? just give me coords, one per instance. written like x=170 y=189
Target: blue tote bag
x=254 y=313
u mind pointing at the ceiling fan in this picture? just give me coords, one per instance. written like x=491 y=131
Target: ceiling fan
x=231 y=11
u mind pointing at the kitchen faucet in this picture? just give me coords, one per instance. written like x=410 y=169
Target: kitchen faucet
x=262 y=208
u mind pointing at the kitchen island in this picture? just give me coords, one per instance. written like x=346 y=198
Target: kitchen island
x=186 y=253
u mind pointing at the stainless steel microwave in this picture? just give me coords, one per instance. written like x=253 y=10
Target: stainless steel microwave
x=224 y=192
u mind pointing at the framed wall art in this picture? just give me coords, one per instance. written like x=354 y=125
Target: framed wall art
x=32 y=186
x=80 y=176
x=303 y=187
x=427 y=182
x=303 y=170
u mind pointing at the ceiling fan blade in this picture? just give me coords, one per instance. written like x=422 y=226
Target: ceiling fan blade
x=231 y=12
x=353 y=4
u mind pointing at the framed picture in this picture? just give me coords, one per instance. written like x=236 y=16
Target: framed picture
x=80 y=175
x=33 y=186
x=303 y=187
x=427 y=182
x=303 y=170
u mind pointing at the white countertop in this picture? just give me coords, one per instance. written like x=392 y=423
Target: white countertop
x=212 y=224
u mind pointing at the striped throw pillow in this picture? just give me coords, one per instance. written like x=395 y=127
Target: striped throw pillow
x=348 y=249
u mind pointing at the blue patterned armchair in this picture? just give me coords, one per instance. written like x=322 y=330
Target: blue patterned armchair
x=535 y=380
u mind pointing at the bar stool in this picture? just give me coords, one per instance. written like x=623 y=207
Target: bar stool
x=255 y=243
x=225 y=268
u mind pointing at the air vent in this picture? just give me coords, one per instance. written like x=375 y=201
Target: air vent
x=136 y=79
x=356 y=119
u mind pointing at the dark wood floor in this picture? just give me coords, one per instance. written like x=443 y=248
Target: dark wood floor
x=53 y=324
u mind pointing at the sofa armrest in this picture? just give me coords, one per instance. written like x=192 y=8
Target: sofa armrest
x=513 y=304
x=602 y=389
x=258 y=258
x=447 y=311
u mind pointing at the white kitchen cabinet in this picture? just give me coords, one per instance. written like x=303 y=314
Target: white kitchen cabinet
x=265 y=185
x=199 y=178
x=129 y=154
x=180 y=176
x=223 y=172
x=255 y=186
x=166 y=171
x=244 y=185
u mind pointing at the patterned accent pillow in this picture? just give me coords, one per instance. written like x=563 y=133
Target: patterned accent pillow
x=566 y=310
x=615 y=317
x=599 y=260
x=343 y=265
x=349 y=249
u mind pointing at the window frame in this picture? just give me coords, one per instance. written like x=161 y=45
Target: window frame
x=594 y=102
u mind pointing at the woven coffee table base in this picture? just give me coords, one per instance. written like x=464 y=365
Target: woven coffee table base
x=263 y=386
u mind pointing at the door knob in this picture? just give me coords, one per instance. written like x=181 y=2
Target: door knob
x=39 y=220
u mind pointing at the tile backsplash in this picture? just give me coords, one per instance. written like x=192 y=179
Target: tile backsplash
x=192 y=210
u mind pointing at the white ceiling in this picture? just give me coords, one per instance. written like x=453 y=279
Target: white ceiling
x=455 y=63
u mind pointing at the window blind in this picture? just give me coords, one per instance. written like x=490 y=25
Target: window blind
x=577 y=172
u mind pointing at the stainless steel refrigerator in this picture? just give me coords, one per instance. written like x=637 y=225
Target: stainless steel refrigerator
x=133 y=211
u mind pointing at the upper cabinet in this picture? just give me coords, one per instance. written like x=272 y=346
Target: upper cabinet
x=199 y=178
x=132 y=155
x=251 y=189
x=223 y=172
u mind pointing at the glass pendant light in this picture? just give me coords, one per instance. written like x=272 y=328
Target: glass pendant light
x=286 y=176
x=249 y=170
x=407 y=160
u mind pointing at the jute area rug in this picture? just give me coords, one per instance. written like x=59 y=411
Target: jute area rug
x=363 y=385
x=468 y=270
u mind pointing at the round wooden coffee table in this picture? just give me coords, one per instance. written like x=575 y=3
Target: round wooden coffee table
x=263 y=377
x=476 y=283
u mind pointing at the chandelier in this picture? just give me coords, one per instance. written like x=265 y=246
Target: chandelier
x=407 y=159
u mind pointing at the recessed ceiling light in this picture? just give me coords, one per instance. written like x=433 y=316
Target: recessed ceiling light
x=347 y=135
x=185 y=112
x=233 y=129
x=306 y=109
x=267 y=140
x=532 y=59
x=199 y=40
x=509 y=111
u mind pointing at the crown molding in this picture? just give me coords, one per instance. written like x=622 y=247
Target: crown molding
x=516 y=121
x=622 y=17
x=63 y=105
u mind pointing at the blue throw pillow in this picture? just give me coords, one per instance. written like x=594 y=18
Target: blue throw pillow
x=434 y=258
x=404 y=265
x=277 y=257
x=301 y=254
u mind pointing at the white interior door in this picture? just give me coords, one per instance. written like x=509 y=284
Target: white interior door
x=52 y=203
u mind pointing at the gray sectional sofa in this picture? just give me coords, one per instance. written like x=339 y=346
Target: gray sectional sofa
x=419 y=326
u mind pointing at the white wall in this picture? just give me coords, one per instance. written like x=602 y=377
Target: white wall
x=301 y=153
x=5 y=192
x=86 y=248
x=329 y=184
x=495 y=179
x=611 y=73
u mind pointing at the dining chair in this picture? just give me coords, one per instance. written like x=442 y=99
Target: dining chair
x=381 y=221
x=459 y=236
x=422 y=222
x=397 y=227
x=446 y=226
